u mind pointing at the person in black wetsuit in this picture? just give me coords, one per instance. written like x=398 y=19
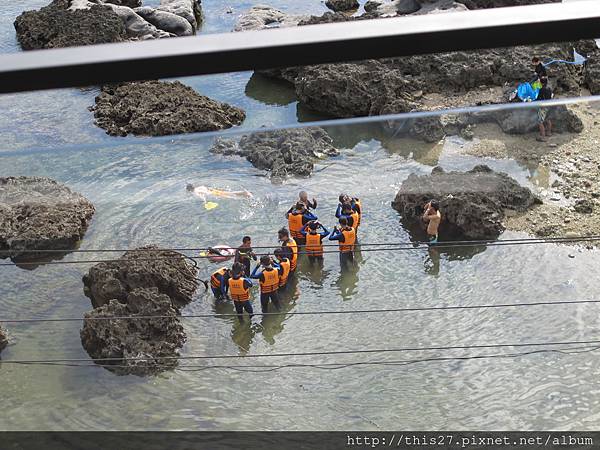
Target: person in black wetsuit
x=539 y=68
x=244 y=253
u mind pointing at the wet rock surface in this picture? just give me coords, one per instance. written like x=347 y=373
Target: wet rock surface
x=38 y=213
x=261 y=17
x=157 y=108
x=55 y=26
x=134 y=346
x=165 y=20
x=3 y=339
x=144 y=282
x=188 y=9
x=342 y=5
x=281 y=152
x=147 y=267
x=472 y=203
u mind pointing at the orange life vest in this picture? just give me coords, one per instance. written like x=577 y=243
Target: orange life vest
x=237 y=290
x=271 y=283
x=349 y=239
x=314 y=246
x=292 y=245
x=214 y=281
x=355 y=219
x=357 y=203
x=285 y=266
x=295 y=224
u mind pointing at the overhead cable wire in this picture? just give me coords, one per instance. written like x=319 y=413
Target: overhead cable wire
x=303 y=354
x=306 y=313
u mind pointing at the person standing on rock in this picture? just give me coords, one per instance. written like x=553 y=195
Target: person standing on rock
x=432 y=217
x=297 y=217
x=346 y=237
x=239 y=290
x=539 y=68
x=544 y=123
x=218 y=282
x=244 y=253
x=268 y=278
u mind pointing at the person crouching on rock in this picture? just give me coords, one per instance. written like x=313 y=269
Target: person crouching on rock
x=432 y=217
x=239 y=291
x=298 y=216
x=218 y=282
x=544 y=123
x=268 y=278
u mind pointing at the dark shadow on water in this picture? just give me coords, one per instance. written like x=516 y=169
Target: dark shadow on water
x=31 y=262
x=348 y=278
x=270 y=91
x=271 y=326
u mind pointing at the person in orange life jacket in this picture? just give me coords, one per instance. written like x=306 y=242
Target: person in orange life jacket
x=297 y=217
x=346 y=237
x=314 y=240
x=354 y=202
x=268 y=278
x=244 y=253
x=289 y=247
x=285 y=265
x=218 y=282
x=352 y=217
x=303 y=198
x=239 y=291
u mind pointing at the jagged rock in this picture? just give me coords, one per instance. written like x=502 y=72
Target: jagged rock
x=584 y=206
x=260 y=17
x=56 y=26
x=342 y=5
x=3 y=339
x=282 y=152
x=38 y=213
x=156 y=108
x=592 y=73
x=167 y=21
x=190 y=10
x=525 y=120
x=472 y=203
x=165 y=270
x=137 y=27
x=134 y=346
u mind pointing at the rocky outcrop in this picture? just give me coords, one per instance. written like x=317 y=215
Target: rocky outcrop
x=167 y=21
x=592 y=73
x=525 y=120
x=342 y=5
x=281 y=152
x=472 y=203
x=128 y=3
x=140 y=347
x=137 y=27
x=148 y=282
x=147 y=267
x=190 y=10
x=56 y=26
x=157 y=108
x=38 y=213
x=261 y=17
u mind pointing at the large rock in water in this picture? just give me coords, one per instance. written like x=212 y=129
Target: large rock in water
x=472 y=203
x=56 y=26
x=188 y=9
x=38 y=213
x=165 y=20
x=147 y=267
x=142 y=346
x=144 y=282
x=157 y=108
x=282 y=152
x=260 y=17
x=3 y=339
x=342 y=5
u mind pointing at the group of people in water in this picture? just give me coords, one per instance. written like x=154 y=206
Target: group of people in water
x=304 y=234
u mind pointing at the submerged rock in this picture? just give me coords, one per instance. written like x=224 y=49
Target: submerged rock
x=38 y=213
x=282 y=152
x=146 y=267
x=55 y=26
x=134 y=346
x=342 y=5
x=472 y=203
x=157 y=108
x=260 y=17
x=3 y=339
